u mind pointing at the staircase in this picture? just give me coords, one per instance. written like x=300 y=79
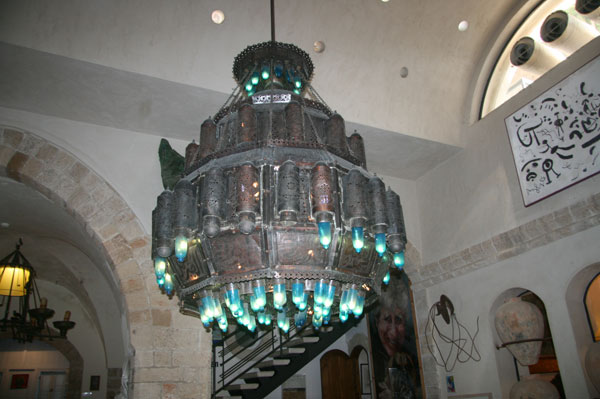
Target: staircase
x=255 y=371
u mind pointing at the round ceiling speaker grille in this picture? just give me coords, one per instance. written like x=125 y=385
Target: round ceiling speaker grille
x=522 y=51
x=554 y=26
x=587 y=6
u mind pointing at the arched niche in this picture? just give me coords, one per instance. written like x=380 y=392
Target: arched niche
x=510 y=371
x=582 y=332
x=360 y=356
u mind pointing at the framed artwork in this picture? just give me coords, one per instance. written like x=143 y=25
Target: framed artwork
x=555 y=139
x=94 y=383
x=19 y=381
x=365 y=379
x=396 y=363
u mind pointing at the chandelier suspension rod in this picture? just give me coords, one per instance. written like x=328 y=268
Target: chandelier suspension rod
x=272 y=20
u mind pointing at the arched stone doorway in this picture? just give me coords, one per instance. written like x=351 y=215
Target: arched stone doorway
x=169 y=352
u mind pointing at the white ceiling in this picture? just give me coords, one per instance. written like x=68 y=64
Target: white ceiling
x=163 y=67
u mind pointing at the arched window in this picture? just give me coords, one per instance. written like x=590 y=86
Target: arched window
x=592 y=306
x=547 y=36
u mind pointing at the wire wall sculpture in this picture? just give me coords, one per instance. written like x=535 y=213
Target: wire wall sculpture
x=462 y=343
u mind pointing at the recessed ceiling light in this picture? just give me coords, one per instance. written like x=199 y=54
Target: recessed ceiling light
x=217 y=17
x=5 y=225
x=463 y=26
x=318 y=46
x=403 y=72
x=384 y=1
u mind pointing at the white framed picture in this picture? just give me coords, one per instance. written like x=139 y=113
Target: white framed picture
x=555 y=139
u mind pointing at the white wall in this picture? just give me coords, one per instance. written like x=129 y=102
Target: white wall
x=475 y=195
x=27 y=358
x=127 y=160
x=546 y=271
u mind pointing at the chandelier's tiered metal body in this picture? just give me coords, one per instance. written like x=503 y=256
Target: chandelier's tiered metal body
x=276 y=215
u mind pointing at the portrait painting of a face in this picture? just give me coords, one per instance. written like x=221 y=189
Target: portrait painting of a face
x=393 y=342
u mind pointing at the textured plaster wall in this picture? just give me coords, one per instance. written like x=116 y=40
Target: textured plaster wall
x=478 y=240
x=475 y=195
x=546 y=271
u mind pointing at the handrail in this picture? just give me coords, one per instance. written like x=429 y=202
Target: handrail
x=246 y=363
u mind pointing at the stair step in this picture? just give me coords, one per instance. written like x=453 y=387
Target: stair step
x=269 y=364
x=257 y=374
x=302 y=341
x=289 y=352
x=241 y=387
x=314 y=332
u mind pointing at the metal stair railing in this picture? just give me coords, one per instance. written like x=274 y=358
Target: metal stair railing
x=260 y=352
x=233 y=359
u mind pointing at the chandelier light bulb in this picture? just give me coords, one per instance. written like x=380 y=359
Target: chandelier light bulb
x=223 y=324
x=181 y=247
x=360 y=305
x=329 y=296
x=380 y=246
x=168 y=285
x=325 y=234
x=399 y=259
x=358 y=238
x=297 y=293
x=343 y=315
x=160 y=266
x=317 y=320
x=279 y=297
x=386 y=278
x=266 y=72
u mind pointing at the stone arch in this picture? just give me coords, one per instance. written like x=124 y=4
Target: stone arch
x=166 y=360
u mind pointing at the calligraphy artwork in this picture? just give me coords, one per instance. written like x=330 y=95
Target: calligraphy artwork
x=555 y=139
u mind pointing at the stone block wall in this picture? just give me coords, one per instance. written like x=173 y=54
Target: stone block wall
x=171 y=352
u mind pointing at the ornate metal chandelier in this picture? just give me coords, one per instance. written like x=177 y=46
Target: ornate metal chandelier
x=18 y=288
x=276 y=215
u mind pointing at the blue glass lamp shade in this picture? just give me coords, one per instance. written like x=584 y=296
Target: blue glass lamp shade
x=380 y=245
x=168 y=284
x=279 y=296
x=181 y=247
x=266 y=72
x=358 y=238
x=160 y=266
x=386 y=278
x=325 y=234
x=399 y=259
